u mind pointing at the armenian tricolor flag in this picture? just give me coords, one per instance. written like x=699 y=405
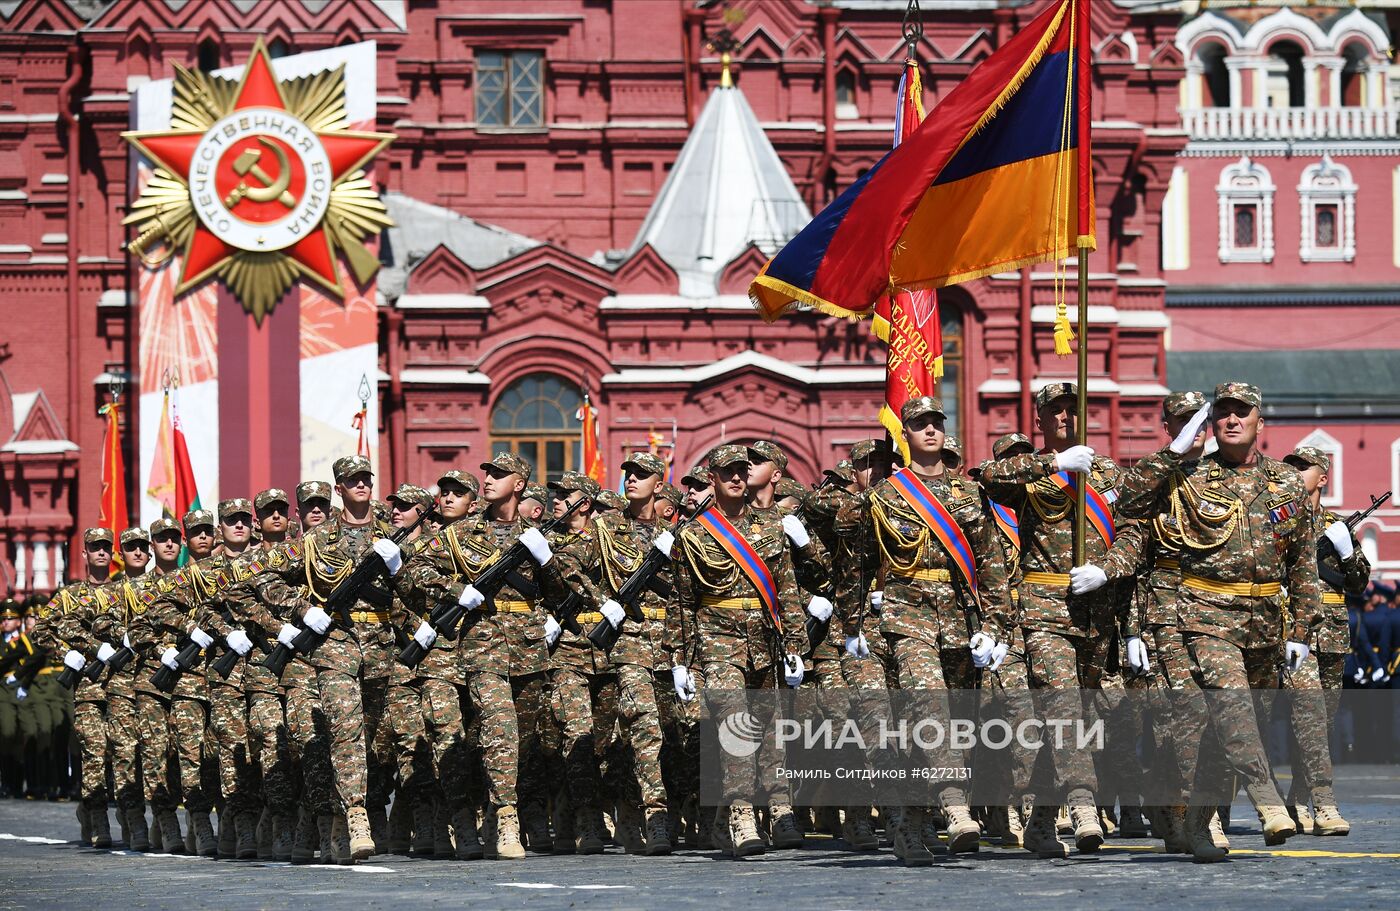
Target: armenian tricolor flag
x=998 y=176
x=941 y=522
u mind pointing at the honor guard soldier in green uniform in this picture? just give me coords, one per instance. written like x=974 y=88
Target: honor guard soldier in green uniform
x=124 y=722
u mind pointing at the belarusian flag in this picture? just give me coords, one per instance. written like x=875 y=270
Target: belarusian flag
x=172 y=476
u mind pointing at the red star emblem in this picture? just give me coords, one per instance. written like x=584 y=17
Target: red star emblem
x=260 y=178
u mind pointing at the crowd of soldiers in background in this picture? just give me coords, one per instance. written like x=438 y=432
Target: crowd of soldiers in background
x=501 y=666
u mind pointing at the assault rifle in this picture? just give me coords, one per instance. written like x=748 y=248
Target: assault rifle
x=1326 y=548
x=446 y=618
x=165 y=679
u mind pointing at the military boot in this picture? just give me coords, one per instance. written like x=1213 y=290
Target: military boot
x=1278 y=826
x=1063 y=824
x=856 y=830
x=340 y=841
x=121 y=824
x=743 y=831
x=629 y=828
x=1015 y=831
x=191 y=844
x=1204 y=850
x=964 y=835
x=84 y=825
x=138 y=836
x=1302 y=816
x=228 y=838
x=562 y=816
x=1108 y=821
x=157 y=837
x=205 y=842
x=719 y=832
x=419 y=830
x=245 y=829
x=785 y=832
x=265 y=834
x=909 y=844
x=488 y=833
x=465 y=834
x=828 y=820
x=536 y=826
x=440 y=820
x=1041 y=837
x=1327 y=820
x=170 y=836
x=402 y=827
x=658 y=833
x=1088 y=834
x=705 y=829
x=1131 y=823
x=325 y=833
x=1217 y=831
x=361 y=837
x=282 y=838
x=101 y=827
x=378 y=826
x=304 y=839
x=588 y=831
x=1173 y=830
x=508 y=845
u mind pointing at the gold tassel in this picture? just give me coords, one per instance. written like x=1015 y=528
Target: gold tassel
x=1064 y=333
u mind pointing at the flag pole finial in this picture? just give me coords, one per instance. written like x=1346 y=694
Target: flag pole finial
x=913 y=29
x=724 y=43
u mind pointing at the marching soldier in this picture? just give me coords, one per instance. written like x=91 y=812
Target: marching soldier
x=14 y=645
x=1247 y=527
x=127 y=723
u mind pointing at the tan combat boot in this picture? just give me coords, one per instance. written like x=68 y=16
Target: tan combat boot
x=561 y=815
x=1108 y=821
x=422 y=835
x=1131 y=823
x=629 y=828
x=538 y=840
x=856 y=830
x=658 y=833
x=84 y=825
x=786 y=834
x=443 y=847
x=1063 y=824
x=909 y=844
x=205 y=842
x=743 y=831
x=964 y=834
x=361 y=836
x=228 y=838
x=265 y=834
x=1204 y=850
x=378 y=827
x=157 y=836
x=719 y=831
x=1217 y=831
x=191 y=844
x=245 y=826
x=508 y=845
x=1302 y=817
x=1015 y=832
x=403 y=826
x=1278 y=825
x=325 y=832
x=282 y=838
x=1041 y=837
x=101 y=828
x=465 y=835
x=828 y=820
x=340 y=842
x=304 y=838
x=1084 y=816
x=170 y=836
x=1327 y=820
x=588 y=834
x=138 y=836
x=1174 y=838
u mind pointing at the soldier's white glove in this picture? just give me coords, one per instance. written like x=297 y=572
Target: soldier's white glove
x=877 y=601
x=1181 y=443
x=1360 y=675
x=1086 y=578
x=856 y=646
x=239 y=642
x=316 y=620
x=201 y=638
x=1295 y=653
x=1137 y=656
x=167 y=658
x=684 y=682
x=981 y=645
x=663 y=542
x=537 y=546
x=105 y=651
x=820 y=608
x=74 y=659
x=1378 y=675
x=390 y=553
x=613 y=612
x=792 y=671
x=998 y=655
x=21 y=694
x=1075 y=458
x=796 y=532
x=126 y=640
x=470 y=598
x=11 y=680
x=287 y=633
x=1340 y=536
x=425 y=635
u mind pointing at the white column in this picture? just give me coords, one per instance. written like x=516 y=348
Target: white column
x=60 y=563
x=1310 y=86
x=41 y=568
x=21 y=563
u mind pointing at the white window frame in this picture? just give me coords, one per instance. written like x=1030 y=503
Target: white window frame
x=1329 y=444
x=1246 y=182
x=1327 y=183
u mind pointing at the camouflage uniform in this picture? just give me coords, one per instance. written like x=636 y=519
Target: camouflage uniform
x=123 y=720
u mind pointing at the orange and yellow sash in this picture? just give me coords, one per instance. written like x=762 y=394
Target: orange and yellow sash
x=742 y=553
x=1097 y=510
x=944 y=527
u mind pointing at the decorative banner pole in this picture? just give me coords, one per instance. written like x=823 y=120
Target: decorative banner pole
x=361 y=420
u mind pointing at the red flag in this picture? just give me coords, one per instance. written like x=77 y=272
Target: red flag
x=161 y=485
x=592 y=462
x=908 y=321
x=113 y=505
x=186 y=491
x=360 y=422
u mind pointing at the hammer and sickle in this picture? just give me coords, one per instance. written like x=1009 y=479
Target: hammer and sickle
x=247 y=163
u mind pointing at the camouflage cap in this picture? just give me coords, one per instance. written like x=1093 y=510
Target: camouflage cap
x=465 y=478
x=98 y=535
x=728 y=454
x=1051 y=391
x=572 y=480
x=924 y=404
x=508 y=462
x=791 y=487
x=699 y=476
x=30 y=606
x=1304 y=456
x=413 y=495
x=197 y=517
x=267 y=497
x=135 y=535
x=233 y=506
x=671 y=493
x=954 y=445
x=163 y=524
x=536 y=492
x=864 y=449
x=1004 y=444
x=1181 y=404
x=768 y=451
x=313 y=490
x=349 y=466
x=844 y=471
x=644 y=463
x=611 y=499
x=1240 y=392
x=9 y=609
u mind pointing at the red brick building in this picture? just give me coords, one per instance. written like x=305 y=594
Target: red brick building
x=533 y=149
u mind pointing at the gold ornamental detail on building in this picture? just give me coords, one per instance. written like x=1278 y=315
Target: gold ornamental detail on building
x=259 y=183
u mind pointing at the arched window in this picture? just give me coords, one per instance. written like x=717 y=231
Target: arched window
x=536 y=418
x=1246 y=193
x=1353 y=78
x=278 y=48
x=1285 y=76
x=1332 y=490
x=1328 y=199
x=1215 y=75
x=210 y=57
x=846 y=95
x=950 y=318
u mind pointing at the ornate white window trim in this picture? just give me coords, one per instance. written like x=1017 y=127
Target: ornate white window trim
x=1329 y=444
x=1327 y=184
x=1246 y=183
